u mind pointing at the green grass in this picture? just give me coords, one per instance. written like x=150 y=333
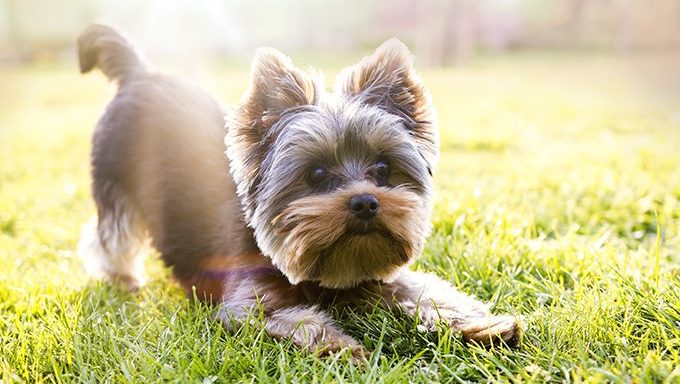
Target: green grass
x=558 y=201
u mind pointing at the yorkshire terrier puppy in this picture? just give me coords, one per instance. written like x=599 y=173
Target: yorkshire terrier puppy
x=322 y=197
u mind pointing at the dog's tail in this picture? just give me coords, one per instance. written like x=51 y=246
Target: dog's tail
x=103 y=47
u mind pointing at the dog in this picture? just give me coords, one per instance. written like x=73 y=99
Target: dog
x=296 y=199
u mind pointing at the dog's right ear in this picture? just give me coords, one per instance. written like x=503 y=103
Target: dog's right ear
x=276 y=87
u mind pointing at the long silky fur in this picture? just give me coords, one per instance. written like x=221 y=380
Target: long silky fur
x=266 y=238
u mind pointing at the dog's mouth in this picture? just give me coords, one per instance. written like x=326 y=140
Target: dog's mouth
x=364 y=240
x=364 y=227
x=366 y=236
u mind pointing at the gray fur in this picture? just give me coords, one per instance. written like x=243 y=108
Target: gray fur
x=158 y=156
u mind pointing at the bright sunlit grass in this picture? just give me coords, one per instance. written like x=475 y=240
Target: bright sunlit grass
x=558 y=201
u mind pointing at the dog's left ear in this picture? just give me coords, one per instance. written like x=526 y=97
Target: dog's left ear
x=388 y=80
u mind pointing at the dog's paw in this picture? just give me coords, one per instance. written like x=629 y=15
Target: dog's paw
x=493 y=330
x=340 y=344
x=357 y=353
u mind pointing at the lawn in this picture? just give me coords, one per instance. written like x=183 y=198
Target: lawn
x=558 y=202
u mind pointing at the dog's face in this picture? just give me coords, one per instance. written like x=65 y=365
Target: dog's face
x=337 y=186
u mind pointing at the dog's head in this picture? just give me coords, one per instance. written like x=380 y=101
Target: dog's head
x=337 y=186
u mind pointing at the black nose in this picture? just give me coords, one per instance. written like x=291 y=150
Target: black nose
x=364 y=206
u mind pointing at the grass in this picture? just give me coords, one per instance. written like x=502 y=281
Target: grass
x=558 y=202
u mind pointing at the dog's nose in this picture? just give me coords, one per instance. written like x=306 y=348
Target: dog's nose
x=364 y=206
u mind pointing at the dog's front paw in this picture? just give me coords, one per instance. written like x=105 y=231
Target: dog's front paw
x=343 y=344
x=312 y=330
x=493 y=330
x=337 y=342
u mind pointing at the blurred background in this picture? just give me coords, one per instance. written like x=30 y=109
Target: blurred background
x=194 y=37
x=442 y=32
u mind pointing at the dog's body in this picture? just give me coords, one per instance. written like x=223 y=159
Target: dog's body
x=326 y=196
x=158 y=166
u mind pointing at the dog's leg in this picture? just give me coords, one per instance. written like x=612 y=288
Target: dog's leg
x=287 y=315
x=113 y=247
x=433 y=300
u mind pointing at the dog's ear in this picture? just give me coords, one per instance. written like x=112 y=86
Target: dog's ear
x=388 y=80
x=275 y=86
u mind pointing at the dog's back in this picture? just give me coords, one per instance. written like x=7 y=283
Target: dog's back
x=158 y=168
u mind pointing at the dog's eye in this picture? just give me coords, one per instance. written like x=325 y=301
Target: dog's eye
x=382 y=168
x=316 y=175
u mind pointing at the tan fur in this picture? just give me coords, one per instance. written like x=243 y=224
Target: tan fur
x=315 y=227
